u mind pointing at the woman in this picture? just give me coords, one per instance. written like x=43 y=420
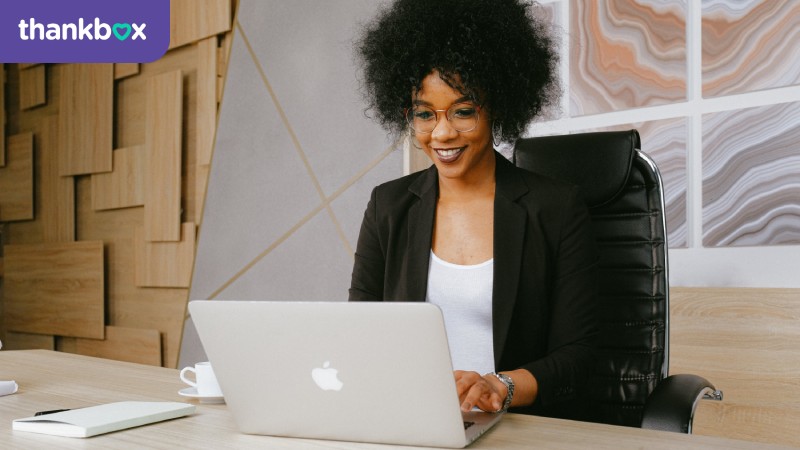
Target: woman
x=507 y=255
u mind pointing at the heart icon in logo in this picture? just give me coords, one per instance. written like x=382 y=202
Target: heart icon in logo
x=121 y=26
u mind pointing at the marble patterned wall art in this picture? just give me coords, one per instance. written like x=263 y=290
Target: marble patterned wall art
x=665 y=142
x=751 y=177
x=626 y=54
x=749 y=45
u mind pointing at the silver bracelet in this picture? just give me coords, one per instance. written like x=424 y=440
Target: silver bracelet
x=505 y=379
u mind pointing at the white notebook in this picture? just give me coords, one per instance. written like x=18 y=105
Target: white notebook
x=94 y=420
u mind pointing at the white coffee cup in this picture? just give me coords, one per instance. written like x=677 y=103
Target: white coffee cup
x=204 y=379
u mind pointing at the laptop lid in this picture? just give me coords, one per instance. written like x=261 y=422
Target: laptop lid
x=360 y=371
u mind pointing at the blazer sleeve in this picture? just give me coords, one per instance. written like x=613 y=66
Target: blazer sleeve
x=572 y=328
x=370 y=260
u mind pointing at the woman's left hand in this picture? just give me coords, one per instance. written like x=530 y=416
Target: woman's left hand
x=484 y=391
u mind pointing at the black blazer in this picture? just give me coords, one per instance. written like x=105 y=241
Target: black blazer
x=545 y=265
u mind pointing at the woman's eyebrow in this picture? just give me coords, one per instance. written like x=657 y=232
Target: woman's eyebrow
x=466 y=98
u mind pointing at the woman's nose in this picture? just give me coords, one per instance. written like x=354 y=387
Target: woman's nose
x=443 y=130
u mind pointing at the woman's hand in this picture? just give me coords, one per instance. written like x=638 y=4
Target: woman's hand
x=488 y=393
x=484 y=391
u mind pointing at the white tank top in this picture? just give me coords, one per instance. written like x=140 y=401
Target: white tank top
x=464 y=293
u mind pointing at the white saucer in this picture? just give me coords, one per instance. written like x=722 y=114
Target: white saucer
x=192 y=392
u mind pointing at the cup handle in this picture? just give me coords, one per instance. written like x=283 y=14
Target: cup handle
x=186 y=380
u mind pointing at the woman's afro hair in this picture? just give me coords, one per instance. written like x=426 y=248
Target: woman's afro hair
x=496 y=51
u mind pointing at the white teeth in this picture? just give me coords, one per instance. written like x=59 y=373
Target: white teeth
x=447 y=153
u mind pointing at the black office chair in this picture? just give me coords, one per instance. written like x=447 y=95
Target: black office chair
x=622 y=186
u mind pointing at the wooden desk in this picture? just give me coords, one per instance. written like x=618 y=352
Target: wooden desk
x=52 y=380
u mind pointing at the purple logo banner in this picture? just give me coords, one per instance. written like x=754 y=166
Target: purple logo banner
x=84 y=31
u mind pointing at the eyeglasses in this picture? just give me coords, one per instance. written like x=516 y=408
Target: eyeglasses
x=463 y=117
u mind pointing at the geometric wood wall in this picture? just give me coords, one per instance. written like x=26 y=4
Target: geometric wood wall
x=162 y=145
x=32 y=87
x=124 y=186
x=85 y=117
x=97 y=154
x=164 y=264
x=55 y=289
x=16 y=179
x=2 y=115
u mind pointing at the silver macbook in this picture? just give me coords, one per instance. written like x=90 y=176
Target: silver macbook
x=363 y=372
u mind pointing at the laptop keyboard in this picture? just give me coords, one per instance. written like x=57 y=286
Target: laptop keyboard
x=468 y=424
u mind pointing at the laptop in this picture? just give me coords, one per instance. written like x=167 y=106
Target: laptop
x=361 y=371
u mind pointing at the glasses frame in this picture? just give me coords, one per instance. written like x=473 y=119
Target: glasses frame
x=410 y=120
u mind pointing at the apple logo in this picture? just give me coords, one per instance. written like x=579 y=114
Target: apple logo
x=326 y=377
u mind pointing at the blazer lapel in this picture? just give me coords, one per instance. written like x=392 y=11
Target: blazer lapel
x=509 y=234
x=420 y=233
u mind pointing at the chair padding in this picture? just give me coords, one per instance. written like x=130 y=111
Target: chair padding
x=599 y=160
x=623 y=192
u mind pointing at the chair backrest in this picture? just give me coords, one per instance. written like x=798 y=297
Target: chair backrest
x=623 y=189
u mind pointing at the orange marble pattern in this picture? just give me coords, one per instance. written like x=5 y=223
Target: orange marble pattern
x=749 y=45
x=626 y=54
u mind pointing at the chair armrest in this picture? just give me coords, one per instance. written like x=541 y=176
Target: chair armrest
x=671 y=405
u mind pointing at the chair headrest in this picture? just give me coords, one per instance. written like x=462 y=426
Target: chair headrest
x=599 y=163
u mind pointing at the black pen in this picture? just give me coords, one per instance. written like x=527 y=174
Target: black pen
x=44 y=413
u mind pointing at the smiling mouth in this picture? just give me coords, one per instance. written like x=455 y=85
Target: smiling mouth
x=449 y=154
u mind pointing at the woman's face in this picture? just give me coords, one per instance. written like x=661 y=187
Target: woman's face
x=456 y=154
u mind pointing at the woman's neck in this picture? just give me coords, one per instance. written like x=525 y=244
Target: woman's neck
x=479 y=183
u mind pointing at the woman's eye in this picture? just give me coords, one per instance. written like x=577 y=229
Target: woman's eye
x=423 y=115
x=464 y=112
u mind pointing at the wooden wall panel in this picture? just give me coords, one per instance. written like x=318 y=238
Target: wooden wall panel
x=127 y=305
x=223 y=57
x=57 y=193
x=206 y=116
x=27 y=65
x=36 y=121
x=129 y=107
x=193 y=20
x=124 y=186
x=55 y=289
x=223 y=51
x=25 y=341
x=134 y=345
x=165 y=264
x=130 y=116
x=745 y=342
x=32 y=87
x=2 y=115
x=201 y=177
x=163 y=136
x=16 y=179
x=124 y=70
x=85 y=126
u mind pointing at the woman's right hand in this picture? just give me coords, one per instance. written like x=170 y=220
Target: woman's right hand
x=483 y=391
